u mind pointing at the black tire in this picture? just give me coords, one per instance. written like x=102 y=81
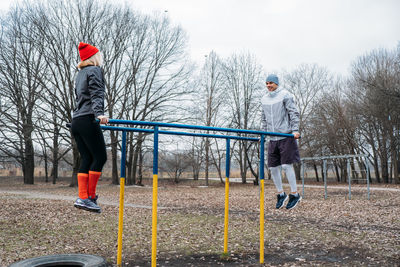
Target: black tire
x=63 y=260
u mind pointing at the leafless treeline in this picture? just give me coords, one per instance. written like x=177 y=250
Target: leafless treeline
x=148 y=77
x=146 y=70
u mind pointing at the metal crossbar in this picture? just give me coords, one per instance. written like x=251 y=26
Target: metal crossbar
x=130 y=129
x=196 y=127
x=334 y=157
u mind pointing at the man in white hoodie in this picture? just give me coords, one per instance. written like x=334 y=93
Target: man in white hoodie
x=280 y=115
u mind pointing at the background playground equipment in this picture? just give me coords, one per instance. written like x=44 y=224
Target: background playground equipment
x=155 y=131
x=350 y=171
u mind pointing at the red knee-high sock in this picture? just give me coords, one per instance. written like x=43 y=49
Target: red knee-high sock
x=93 y=179
x=83 y=179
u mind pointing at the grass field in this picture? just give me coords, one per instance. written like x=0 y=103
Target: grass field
x=40 y=219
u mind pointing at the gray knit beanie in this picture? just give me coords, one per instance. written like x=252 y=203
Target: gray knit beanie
x=272 y=78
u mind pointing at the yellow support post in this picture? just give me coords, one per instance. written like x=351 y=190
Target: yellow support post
x=154 y=223
x=261 y=221
x=120 y=220
x=226 y=215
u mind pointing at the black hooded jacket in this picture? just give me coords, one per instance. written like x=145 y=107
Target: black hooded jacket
x=89 y=91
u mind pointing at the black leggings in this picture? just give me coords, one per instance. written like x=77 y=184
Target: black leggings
x=90 y=140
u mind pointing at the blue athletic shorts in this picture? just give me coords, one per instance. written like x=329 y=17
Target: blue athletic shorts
x=283 y=151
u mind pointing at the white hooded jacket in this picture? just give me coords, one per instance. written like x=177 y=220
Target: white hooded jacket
x=279 y=113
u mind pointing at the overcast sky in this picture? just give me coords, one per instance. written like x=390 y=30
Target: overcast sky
x=283 y=33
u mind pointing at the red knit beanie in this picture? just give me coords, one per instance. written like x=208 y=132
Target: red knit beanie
x=86 y=50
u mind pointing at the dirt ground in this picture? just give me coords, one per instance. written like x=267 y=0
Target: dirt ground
x=40 y=219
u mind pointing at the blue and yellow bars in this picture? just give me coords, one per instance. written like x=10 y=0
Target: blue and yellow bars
x=262 y=146
x=156 y=133
x=155 y=198
x=227 y=171
x=121 y=198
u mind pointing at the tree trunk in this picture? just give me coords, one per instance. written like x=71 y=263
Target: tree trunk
x=316 y=171
x=29 y=162
x=344 y=173
x=55 y=155
x=46 y=167
x=216 y=161
x=297 y=170
x=207 y=159
x=254 y=172
x=242 y=163
x=76 y=163
x=256 y=180
x=354 y=173
x=395 y=165
x=195 y=173
x=363 y=170
x=176 y=177
x=385 y=172
x=140 y=171
x=337 y=171
x=376 y=166
x=135 y=160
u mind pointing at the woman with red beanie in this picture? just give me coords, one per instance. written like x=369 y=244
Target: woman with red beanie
x=86 y=119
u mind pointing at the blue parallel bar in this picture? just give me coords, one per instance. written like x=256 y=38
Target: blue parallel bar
x=195 y=127
x=262 y=147
x=155 y=152
x=130 y=129
x=228 y=151
x=123 y=154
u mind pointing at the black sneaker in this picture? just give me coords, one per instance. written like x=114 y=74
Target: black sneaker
x=281 y=200
x=94 y=200
x=293 y=201
x=87 y=204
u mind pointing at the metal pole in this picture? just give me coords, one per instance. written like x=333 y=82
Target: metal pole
x=155 y=192
x=227 y=172
x=302 y=176
x=324 y=174
x=261 y=199
x=121 y=198
x=349 y=176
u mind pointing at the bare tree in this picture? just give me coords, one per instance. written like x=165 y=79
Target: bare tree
x=159 y=76
x=174 y=163
x=308 y=83
x=145 y=65
x=21 y=66
x=335 y=130
x=195 y=156
x=243 y=84
x=115 y=40
x=60 y=26
x=208 y=101
x=376 y=102
x=218 y=154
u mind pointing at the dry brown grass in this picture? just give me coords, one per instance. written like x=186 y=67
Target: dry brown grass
x=40 y=219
